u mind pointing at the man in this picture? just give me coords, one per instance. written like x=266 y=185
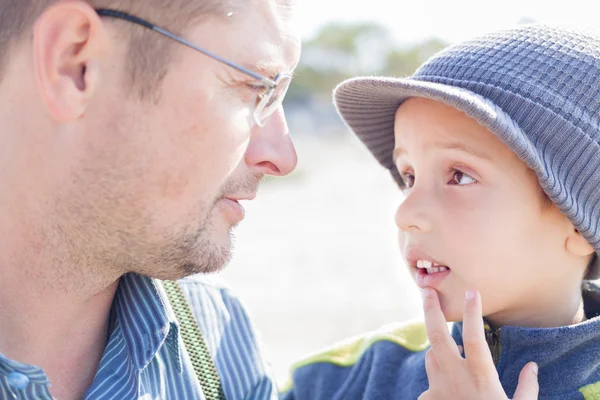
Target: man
x=125 y=152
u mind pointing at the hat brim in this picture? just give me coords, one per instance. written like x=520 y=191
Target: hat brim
x=368 y=105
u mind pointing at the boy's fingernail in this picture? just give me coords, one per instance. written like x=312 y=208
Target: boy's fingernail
x=534 y=368
x=469 y=295
x=425 y=292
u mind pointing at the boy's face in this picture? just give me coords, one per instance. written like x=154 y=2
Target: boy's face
x=473 y=207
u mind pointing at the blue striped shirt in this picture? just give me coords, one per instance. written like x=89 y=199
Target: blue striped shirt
x=145 y=357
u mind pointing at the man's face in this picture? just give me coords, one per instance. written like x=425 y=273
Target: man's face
x=475 y=209
x=157 y=184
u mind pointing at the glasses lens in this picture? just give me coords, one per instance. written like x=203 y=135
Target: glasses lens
x=272 y=100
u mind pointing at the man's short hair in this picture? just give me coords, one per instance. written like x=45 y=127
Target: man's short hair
x=149 y=53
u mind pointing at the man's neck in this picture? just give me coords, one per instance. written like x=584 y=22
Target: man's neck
x=54 y=326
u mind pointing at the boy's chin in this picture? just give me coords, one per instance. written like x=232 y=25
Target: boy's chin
x=452 y=310
x=453 y=317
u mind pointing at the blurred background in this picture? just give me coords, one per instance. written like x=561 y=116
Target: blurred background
x=316 y=260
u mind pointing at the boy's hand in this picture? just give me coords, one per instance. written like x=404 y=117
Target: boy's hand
x=471 y=378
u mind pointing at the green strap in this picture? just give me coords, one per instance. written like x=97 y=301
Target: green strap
x=194 y=343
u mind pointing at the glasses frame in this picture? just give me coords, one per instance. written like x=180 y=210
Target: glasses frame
x=270 y=84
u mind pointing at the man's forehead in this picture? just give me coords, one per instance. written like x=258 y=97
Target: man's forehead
x=275 y=49
x=285 y=31
x=257 y=37
x=268 y=15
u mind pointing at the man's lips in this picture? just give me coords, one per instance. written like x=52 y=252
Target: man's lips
x=241 y=197
x=232 y=208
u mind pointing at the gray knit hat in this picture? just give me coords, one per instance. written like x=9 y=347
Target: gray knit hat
x=536 y=87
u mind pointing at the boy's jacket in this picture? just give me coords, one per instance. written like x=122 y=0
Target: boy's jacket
x=390 y=363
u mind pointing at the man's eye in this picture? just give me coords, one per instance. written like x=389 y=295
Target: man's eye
x=260 y=90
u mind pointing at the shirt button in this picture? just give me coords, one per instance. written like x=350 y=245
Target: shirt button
x=18 y=380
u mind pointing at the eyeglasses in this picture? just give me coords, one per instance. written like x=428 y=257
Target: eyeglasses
x=267 y=101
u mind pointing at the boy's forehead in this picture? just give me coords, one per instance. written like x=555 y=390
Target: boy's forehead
x=427 y=119
x=433 y=124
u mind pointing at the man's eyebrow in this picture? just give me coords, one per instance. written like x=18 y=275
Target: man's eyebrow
x=269 y=70
x=398 y=151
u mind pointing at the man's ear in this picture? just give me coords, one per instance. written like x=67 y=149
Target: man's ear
x=577 y=245
x=68 y=39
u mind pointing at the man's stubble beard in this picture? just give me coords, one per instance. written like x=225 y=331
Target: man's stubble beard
x=92 y=248
x=195 y=252
x=105 y=239
x=199 y=254
x=189 y=253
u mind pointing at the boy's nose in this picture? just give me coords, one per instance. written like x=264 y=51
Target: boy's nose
x=412 y=214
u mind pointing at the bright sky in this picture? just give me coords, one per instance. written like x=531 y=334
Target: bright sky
x=451 y=20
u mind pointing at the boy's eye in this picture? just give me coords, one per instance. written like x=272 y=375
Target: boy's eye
x=408 y=179
x=460 y=178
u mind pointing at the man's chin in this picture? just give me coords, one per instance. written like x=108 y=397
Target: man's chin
x=195 y=269
x=212 y=258
x=208 y=250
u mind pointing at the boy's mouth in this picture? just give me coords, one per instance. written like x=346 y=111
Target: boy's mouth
x=430 y=267
x=430 y=276
x=429 y=271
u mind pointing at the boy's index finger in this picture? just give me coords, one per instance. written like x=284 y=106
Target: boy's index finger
x=442 y=344
x=477 y=351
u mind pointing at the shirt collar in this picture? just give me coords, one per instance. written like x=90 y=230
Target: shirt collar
x=34 y=373
x=147 y=319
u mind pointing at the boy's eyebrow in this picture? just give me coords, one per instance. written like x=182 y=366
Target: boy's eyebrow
x=398 y=151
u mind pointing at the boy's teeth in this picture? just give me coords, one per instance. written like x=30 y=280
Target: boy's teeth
x=433 y=270
x=431 y=267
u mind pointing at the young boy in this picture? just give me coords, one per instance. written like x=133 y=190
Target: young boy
x=495 y=143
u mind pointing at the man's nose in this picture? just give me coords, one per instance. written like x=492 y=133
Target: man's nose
x=271 y=151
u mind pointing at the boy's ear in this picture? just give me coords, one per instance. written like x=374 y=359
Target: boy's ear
x=577 y=245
